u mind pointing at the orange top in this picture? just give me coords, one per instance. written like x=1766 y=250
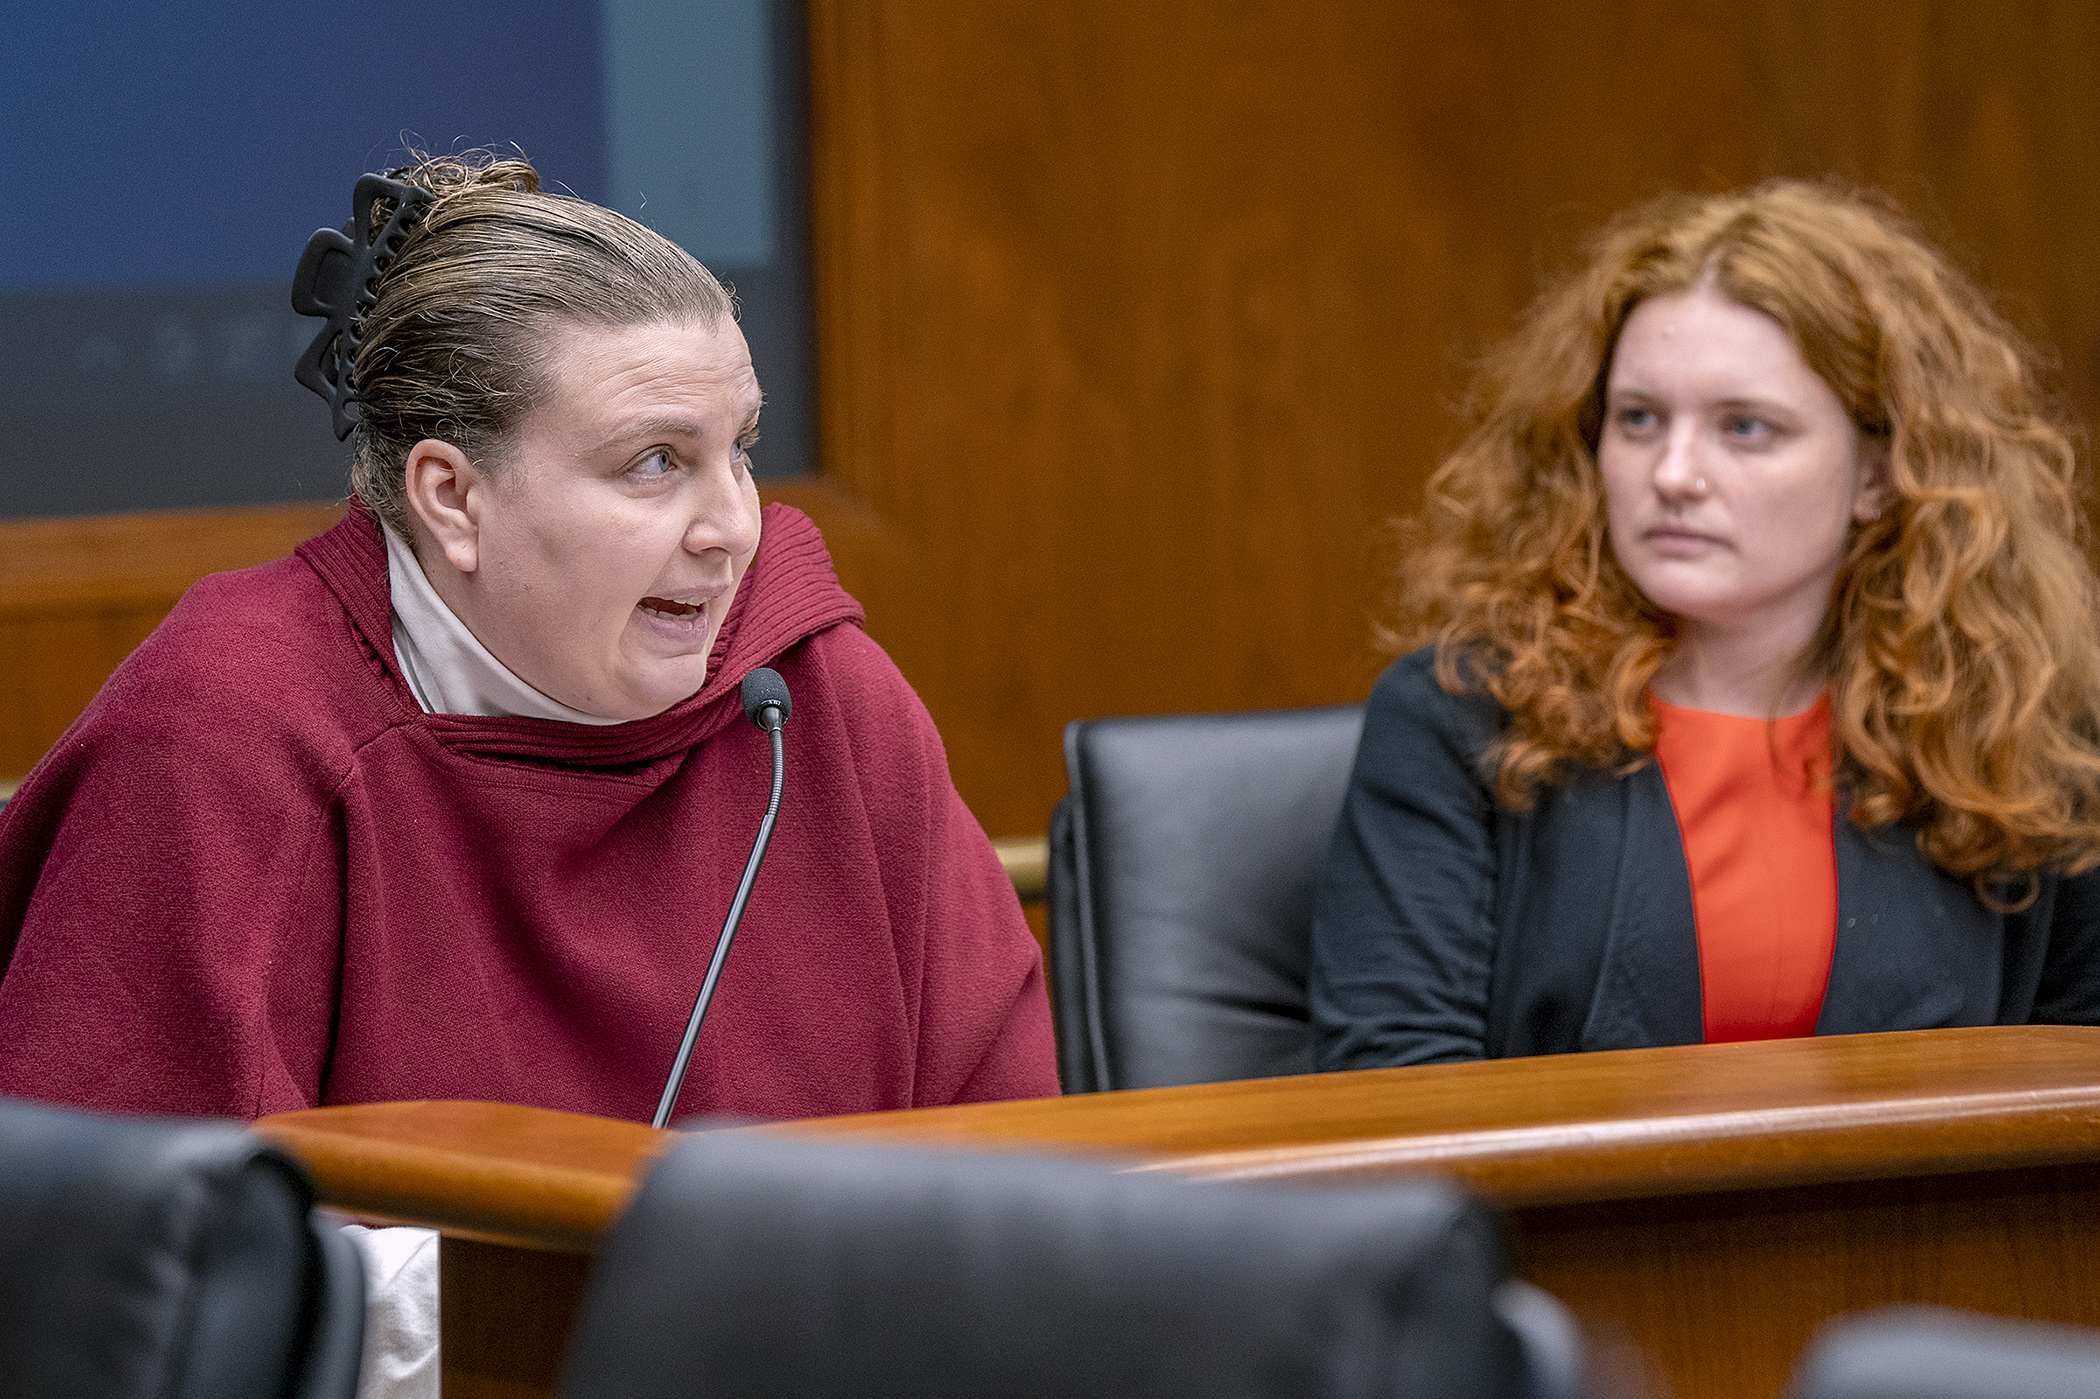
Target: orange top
x=1753 y=806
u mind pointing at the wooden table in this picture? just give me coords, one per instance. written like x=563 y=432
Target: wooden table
x=1708 y=1205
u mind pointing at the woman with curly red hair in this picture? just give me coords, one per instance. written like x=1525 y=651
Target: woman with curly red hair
x=1762 y=695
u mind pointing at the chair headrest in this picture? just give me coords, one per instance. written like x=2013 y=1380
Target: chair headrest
x=143 y=1257
x=759 y=1265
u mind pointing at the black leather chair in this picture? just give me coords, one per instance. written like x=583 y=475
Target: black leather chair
x=803 y=1269
x=1182 y=870
x=177 y=1260
x=1934 y=1353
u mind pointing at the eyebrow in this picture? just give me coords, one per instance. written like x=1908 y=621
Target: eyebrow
x=1758 y=405
x=675 y=426
x=663 y=427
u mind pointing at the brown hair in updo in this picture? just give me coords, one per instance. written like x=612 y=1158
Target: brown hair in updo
x=455 y=347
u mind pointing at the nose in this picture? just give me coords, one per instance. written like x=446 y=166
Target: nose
x=724 y=512
x=1679 y=477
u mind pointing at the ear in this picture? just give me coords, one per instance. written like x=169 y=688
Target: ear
x=1875 y=491
x=447 y=493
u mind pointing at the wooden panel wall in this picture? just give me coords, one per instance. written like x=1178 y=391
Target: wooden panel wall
x=77 y=595
x=1135 y=319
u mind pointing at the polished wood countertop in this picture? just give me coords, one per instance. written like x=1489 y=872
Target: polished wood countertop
x=494 y=1172
x=1522 y=1132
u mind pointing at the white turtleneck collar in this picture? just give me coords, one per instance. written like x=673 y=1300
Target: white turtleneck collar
x=447 y=668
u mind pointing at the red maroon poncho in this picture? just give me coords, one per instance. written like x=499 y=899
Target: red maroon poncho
x=255 y=876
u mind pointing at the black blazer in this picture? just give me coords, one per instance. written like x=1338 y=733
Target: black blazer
x=1450 y=928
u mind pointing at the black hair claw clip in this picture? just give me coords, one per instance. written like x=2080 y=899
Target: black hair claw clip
x=337 y=277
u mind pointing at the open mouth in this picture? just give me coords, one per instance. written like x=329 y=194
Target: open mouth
x=665 y=607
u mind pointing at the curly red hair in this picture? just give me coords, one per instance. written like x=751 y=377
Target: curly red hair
x=1959 y=645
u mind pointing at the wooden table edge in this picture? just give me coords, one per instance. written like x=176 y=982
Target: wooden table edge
x=563 y=1206
x=486 y=1196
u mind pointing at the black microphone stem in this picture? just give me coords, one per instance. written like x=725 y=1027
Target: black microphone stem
x=729 y=925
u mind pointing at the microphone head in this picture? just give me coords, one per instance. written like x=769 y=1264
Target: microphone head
x=763 y=689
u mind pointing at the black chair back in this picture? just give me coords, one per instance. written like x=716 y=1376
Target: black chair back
x=1935 y=1353
x=176 y=1260
x=1182 y=871
x=804 y=1269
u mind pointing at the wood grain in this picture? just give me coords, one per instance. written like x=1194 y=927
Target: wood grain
x=1712 y=1205
x=1135 y=321
x=1630 y=1124
x=1720 y=1293
x=1643 y=1123
x=131 y=559
x=1626 y=1124
x=76 y=595
x=488 y=1171
x=503 y=1316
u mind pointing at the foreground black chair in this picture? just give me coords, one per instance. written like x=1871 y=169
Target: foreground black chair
x=176 y=1260
x=1182 y=870
x=1934 y=1353
x=799 y=1269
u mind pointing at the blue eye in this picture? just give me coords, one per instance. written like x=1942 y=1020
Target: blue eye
x=656 y=463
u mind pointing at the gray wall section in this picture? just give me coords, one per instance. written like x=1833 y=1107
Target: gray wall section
x=157 y=397
x=157 y=400
x=689 y=124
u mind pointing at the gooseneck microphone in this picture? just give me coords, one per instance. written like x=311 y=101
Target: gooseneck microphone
x=766 y=704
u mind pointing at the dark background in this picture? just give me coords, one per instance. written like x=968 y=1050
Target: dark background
x=164 y=164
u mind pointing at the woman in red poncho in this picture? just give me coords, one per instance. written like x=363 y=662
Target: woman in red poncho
x=451 y=803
